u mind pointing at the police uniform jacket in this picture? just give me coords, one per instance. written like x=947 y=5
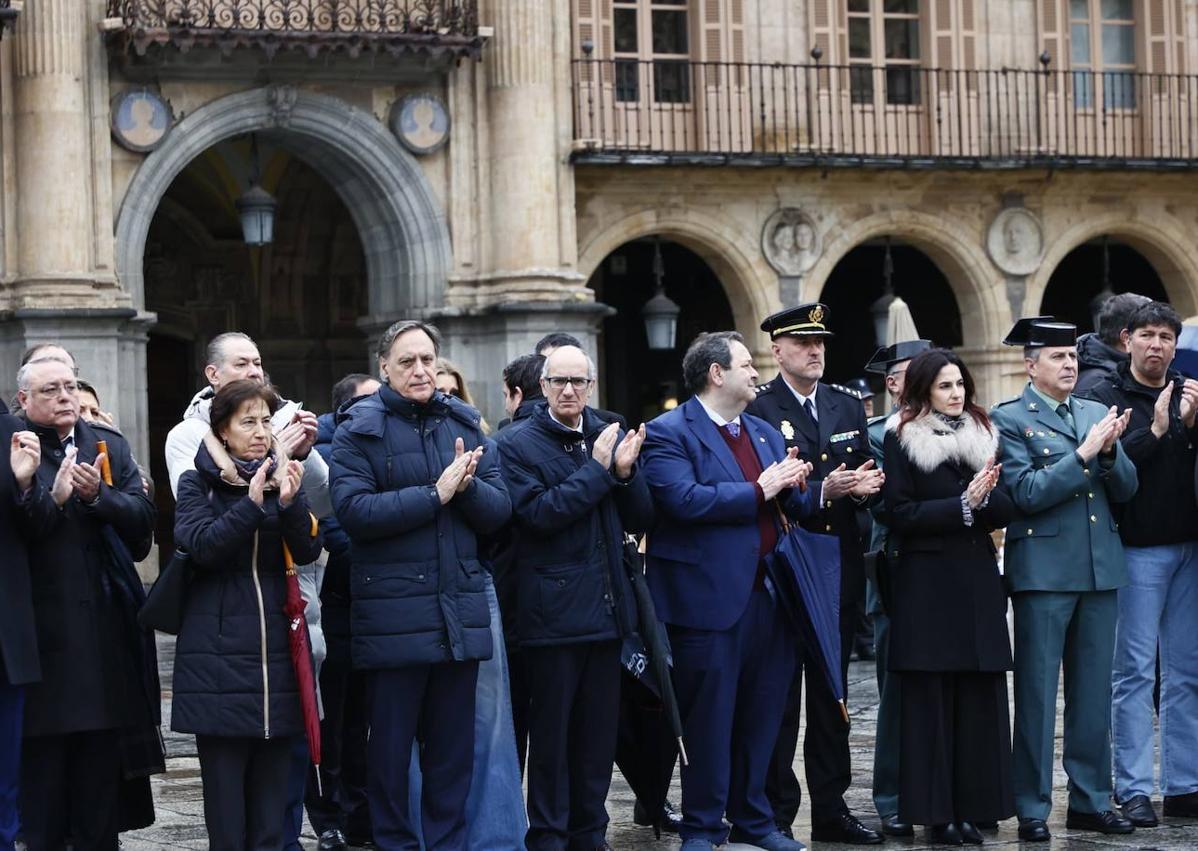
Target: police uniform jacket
x=843 y=439
x=1063 y=536
x=949 y=607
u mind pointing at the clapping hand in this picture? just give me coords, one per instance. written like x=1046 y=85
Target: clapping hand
x=788 y=473
x=258 y=483
x=64 y=482
x=87 y=477
x=1189 y=402
x=456 y=477
x=1099 y=438
x=628 y=451
x=869 y=480
x=24 y=458
x=983 y=482
x=293 y=476
x=298 y=436
x=605 y=445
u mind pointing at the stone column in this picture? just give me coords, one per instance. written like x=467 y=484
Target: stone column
x=998 y=372
x=55 y=233
x=531 y=184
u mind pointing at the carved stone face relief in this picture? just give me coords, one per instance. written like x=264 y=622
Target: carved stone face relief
x=1015 y=241
x=790 y=241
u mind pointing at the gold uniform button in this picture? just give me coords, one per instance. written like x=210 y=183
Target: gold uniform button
x=848 y=449
x=827 y=528
x=1029 y=531
x=1086 y=470
x=1091 y=496
x=823 y=456
x=1093 y=519
x=1045 y=450
x=828 y=504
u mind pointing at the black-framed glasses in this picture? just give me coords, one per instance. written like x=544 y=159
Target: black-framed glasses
x=559 y=382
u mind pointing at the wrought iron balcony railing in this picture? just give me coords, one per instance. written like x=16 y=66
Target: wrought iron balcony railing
x=394 y=26
x=710 y=112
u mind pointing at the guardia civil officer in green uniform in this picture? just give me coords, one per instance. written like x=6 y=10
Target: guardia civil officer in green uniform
x=1063 y=466
x=891 y=362
x=827 y=424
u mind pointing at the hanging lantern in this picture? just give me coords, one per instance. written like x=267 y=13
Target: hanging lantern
x=880 y=309
x=256 y=206
x=660 y=312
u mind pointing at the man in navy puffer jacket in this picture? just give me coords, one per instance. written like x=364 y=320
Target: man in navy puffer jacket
x=575 y=491
x=414 y=485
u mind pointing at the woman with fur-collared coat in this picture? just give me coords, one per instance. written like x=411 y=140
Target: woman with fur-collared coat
x=949 y=642
x=234 y=680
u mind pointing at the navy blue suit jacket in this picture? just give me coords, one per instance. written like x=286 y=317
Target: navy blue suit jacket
x=704 y=550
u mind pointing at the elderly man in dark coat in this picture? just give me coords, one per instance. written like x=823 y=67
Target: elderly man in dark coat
x=575 y=491
x=19 y=664
x=92 y=654
x=414 y=486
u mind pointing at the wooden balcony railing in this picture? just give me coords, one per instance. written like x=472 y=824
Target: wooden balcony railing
x=710 y=112
x=314 y=26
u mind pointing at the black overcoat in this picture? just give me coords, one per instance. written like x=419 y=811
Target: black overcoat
x=18 y=640
x=83 y=631
x=948 y=611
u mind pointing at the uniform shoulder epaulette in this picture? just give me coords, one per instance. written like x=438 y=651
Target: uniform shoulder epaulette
x=767 y=387
x=998 y=405
x=848 y=391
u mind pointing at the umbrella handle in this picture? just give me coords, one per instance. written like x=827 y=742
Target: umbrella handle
x=844 y=712
x=288 y=560
x=105 y=468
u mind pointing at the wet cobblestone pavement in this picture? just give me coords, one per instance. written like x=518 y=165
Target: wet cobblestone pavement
x=180 y=823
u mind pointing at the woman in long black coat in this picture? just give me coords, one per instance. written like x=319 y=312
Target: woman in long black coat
x=949 y=642
x=234 y=681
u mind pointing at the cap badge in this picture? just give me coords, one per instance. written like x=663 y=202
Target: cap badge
x=816 y=315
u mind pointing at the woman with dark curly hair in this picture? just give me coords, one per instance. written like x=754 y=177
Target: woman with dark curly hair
x=234 y=682
x=948 y=642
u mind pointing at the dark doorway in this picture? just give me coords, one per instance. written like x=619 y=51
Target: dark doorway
x=299 y=297
x=636 y=381
x=1079 y=278
x=857 y=282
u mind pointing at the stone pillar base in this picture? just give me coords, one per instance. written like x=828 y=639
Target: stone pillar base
x=998 y=372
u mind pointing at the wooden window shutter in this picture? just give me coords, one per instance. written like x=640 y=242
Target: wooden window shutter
x=1053 y=26
x=968 y=59
x=736 y=30
x=1157 y=37
x=1179 y=38
x=712 y=31
x=823 y=29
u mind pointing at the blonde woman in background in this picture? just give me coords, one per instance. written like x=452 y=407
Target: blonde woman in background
x=451 y=382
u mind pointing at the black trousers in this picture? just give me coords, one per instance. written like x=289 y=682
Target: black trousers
x=572 y=723
x=343 y=734
x=246 y=790
x=955 y=751
x=435 y=705
x=825 y=746
x=519 y=687
x=70 y=788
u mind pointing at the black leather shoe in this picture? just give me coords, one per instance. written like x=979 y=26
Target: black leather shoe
x=667 y=821
x=847 y=830
x=970 y=835
x=944 y=834
x=332 y=840
x=1033 y=830
x=1103 y=822
x=1138 y=810
x=986 y=825
x=1182 y=806
x=891 y=826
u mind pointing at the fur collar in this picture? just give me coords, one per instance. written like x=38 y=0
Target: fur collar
x=929 y=443
x=228 y=470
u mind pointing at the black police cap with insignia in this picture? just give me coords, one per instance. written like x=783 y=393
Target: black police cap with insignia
x=887 y=356
x=806 y=320
x=1040 y=331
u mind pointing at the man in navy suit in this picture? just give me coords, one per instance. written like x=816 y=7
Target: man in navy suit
x=718 y=478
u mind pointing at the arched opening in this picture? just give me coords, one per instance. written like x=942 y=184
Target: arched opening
x=1104 y=263
x=859 y=280
x=637 y=381
x=300 y=297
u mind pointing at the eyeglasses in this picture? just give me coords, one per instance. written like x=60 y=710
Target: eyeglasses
x=559 y=382
x=53 y=391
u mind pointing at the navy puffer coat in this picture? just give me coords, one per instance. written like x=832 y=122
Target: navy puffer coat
x=226 y=683
x=571 y=514
x=416 y=583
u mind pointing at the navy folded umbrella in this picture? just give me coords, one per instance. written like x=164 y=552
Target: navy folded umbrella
x=805 y=571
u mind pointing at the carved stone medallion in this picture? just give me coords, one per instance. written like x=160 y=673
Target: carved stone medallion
x=790 y=241
x=1016 y=241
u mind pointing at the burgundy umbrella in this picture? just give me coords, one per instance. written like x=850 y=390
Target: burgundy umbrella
x=301 y=658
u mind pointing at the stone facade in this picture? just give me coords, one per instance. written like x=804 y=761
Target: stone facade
x=497 y=234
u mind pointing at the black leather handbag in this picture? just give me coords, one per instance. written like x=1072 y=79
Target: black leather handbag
x=163 y=608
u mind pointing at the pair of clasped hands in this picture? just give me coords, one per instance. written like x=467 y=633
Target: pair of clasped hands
x=1104 y=434
x=73 y=478
x=984 y=481
x=790 y=472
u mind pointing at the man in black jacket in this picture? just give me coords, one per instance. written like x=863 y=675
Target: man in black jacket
x=575 y=492
x=1099 y=352
x=827 y=424
x=91 y=686
x=1159 y=530
x=19 y=664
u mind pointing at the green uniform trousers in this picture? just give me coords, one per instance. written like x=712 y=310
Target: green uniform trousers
x=1077 y=629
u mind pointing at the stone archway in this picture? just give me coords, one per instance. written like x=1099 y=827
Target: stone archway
x=402 y=226
x=1166 y=247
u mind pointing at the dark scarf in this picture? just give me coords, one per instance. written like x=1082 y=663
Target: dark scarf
x=247 y=469
x=954 y=423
